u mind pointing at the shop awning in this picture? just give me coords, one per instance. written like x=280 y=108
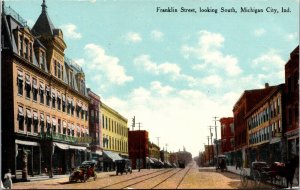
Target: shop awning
x=67 y=146
x=20 y=112
x=35 y=116
x=29 y=143
x=61 y=145
x=113 y=156
x=77 y=147
x=149 y=160
x=54 y=121
x=275 y=140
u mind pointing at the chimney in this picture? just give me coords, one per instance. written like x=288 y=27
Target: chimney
x=267 y=85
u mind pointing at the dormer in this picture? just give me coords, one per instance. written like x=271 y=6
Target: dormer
x=80 y=78
x=24 y=43
x=52 y=39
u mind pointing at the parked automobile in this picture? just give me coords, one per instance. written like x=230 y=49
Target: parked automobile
x=123 y=166
x=84 y=172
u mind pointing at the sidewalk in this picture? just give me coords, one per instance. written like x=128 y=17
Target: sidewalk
x=233 y=169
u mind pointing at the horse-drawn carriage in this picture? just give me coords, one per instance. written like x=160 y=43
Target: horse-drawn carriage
x=221 y=163
x=261 y=172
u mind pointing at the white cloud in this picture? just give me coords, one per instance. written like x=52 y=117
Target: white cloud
x=80 y=62
x=185 y=114
x=133 y=37
x=157 y=35
x=69 y=31
x=208 y=51
x=292 y=37
x=145 y=62
x=156 y=86
x=213 y=80
x=102 y=64
x=269 y=61
x=259 y=32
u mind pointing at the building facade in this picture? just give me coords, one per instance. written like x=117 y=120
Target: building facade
x=138 y=148
x=94 y=124
x=227 y=137
x=45 y=104
x=291 y=130
x=245 y=103
x=114 y=136
x=154 y=150
x=265 y=124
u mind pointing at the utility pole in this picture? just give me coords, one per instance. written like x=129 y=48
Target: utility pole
x=217 y=148
x=158 y=141
x=208 y=150
x=139 y=146
x=211 y=135
x=133 y=122
x=166 y=152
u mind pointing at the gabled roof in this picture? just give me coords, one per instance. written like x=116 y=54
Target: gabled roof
x=43 y=25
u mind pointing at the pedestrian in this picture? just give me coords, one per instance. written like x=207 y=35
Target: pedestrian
x=7 y=179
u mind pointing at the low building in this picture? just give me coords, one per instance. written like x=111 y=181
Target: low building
x=114 y=136
x=154 y=150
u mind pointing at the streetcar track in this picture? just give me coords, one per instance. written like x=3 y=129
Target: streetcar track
x=190 y=167
x=126 y=180
x=166 y=179
x=149 y=178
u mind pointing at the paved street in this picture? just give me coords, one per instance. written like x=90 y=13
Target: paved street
x=189 y=178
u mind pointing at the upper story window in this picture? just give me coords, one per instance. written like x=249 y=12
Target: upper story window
x=71 y=81
x=63 y=103
x=28 y=120
x=20 y=83
x=48 y=96
x=42 y=92
x=28 y=86
x=20 y=118
x=21 y=45
x=58 y=101
x=54 y=125
x=48 y=124
x=35 y=122
x=34 y=89
x=42 y=123
x=53 y=98
x=42 y=60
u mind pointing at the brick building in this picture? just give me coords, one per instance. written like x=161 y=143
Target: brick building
x=94 y=124
x=227 y=137
x=138 y=147
x=264 y=124
x=244 y=104
x=292 y=103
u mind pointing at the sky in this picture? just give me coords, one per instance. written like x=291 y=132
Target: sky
x=173 y=71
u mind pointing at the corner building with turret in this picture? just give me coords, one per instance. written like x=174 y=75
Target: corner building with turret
x=44 y=100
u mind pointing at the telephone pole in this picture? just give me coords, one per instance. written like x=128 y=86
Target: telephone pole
x=158 y=141
x=139 y=145
x=208 y=150
x=217 y=148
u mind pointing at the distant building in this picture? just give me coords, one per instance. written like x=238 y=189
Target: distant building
x=291 y=131
x=154 y=150
x=138 y=147
x=114 y=136
x=44 y=99
x=227 y=137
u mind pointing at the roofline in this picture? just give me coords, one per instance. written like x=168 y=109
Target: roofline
x=259 y=104
x=112 y=111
